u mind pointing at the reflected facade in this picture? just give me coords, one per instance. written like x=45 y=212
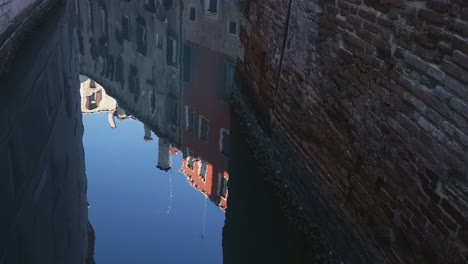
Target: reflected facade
x=171 y=66
x=132 y=48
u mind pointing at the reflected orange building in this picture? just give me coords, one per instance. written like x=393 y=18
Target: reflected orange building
x=208 y=78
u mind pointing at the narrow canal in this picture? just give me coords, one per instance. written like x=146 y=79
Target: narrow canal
x=118 y=144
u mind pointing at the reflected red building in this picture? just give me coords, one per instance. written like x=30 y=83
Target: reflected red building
x=208 y=79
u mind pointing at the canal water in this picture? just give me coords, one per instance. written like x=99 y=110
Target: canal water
x=118 y=144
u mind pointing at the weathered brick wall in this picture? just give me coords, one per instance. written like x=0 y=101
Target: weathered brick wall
x=372 y=98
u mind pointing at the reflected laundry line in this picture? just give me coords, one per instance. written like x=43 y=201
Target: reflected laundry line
x=171 y=194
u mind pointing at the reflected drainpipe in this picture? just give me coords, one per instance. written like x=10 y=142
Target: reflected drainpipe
x=110 y=118
x=147 y=136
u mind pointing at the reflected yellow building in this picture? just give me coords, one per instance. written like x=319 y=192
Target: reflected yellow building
x=94 y=99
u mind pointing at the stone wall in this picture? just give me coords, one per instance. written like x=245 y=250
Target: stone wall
x=371 y=97
x=133 y=50
x=42 y=171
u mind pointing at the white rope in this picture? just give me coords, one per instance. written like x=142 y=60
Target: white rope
x=171 y=193
x=204 y=219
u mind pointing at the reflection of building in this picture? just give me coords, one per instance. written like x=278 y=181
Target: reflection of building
x=172 y=68
x=214 y=24
x=211 y=42
x=132 y=48
x=207 y=123
x=95 y=99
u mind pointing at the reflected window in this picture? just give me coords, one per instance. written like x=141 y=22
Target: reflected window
x=141 y=35
x=193 y=14
x=150 y=6
x=90 y=16
x=153 y=102
x=222 y=185
x=80 y=43
x=134 y=81
x=203 y=127
x=189 y=119
x=171 y=51
x=211 y=6
x=110 y=67
x=188 y=63
x=119 y=71
x=203 y=169
x=103 y=20
x=226 y=80
x=232 y=27
x=173 y=112
x=159 y=41
x=92 y=48
x=224 y=142
x=190 y=160
x=125 y=25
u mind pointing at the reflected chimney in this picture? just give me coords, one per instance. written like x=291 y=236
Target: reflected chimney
x=121 y=113
x=164 y=157
x=147 y=136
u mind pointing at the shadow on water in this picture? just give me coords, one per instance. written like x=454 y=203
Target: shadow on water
x=43 y=184
x=255 y=230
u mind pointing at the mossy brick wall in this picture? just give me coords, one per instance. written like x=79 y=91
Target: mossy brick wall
x=371 y=96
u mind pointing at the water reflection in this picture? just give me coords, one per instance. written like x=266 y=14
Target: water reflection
x=155 y=79
x=207 y=123
x=205 y=141
x=172 y=67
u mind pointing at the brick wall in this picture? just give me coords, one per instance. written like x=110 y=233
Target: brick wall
x=372 y=99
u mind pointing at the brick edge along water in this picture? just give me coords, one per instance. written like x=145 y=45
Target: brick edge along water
x=282 y=190
x=371 y=98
